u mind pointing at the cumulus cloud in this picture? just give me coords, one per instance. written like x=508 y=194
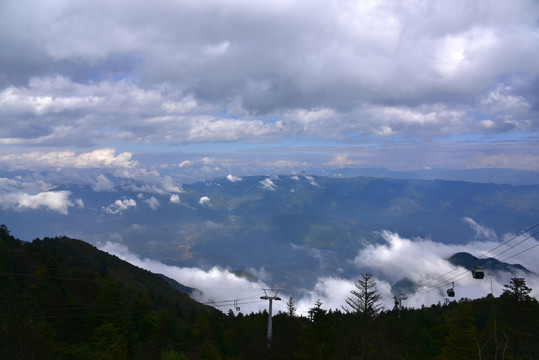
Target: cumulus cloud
x=311 y=180
x=119 y=206
x=153 y=203
x=53 y=200
x=204 y=201
x=267 y=184
x=233 y=178
x=174 y=199
x=425 y=263
x=24 y=195
x=399 y=256
x=101 y=158
x=147 y=181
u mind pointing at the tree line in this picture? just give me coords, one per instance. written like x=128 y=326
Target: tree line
x=61 y=298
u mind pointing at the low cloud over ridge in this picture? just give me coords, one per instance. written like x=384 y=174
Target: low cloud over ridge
x=420 y=260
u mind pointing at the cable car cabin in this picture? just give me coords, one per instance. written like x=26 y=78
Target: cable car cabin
x=451 y=290
x=478 y=273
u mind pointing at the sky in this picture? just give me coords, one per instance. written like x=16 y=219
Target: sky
x=209 y=88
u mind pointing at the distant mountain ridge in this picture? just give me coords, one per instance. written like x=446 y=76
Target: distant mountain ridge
x=296 y=227
x=70 y=261
x=466 y=260
x=485 y=175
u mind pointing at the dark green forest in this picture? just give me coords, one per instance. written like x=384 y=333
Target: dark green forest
x=62 y=298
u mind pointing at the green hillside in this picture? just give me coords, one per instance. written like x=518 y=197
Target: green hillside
x=64 y=299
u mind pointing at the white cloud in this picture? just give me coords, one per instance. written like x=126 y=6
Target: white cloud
x=174 y=199
x=420 y=260
x=311 y=180
x=401 y=257
x=23 y=195
x=147 y=181
x=101 y=158
x=204 y=201
x=185 y=163
x=333 y=293
x=287 y=163
x=80 y=203
x=119 y=206
x=53 y=200
x=267 y=184
x=425 y=263
x=208 y=160
x=409 y=70
x=217 y=286
x=481 y=232
x=233 y=178
x=341 y=160
x=152 y=202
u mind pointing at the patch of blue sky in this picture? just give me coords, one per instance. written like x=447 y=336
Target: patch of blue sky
x=373 y=140
x=478 y=116
x=132 y=77
x=224 y=114
x=117 y=68
x=298 y=143
x=268 y=120
x=517 y=137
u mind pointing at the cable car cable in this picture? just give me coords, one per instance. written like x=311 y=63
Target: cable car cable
x=498 y=246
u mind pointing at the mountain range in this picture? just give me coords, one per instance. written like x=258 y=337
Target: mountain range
x=296 y=228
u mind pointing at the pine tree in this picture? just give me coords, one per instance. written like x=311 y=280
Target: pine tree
x=517 y=289
x=317 y=338
x=364 y=302
x=291 y=307
x=518 y=304
x=365 y=299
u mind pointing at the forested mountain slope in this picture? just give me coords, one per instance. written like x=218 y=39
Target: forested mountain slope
x=63 y=299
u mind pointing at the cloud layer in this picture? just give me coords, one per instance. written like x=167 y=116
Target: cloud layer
x=420 y=260
x=19 y=195
x=402 y=79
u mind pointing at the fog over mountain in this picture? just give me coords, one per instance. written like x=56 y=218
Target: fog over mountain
x=309 y=236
